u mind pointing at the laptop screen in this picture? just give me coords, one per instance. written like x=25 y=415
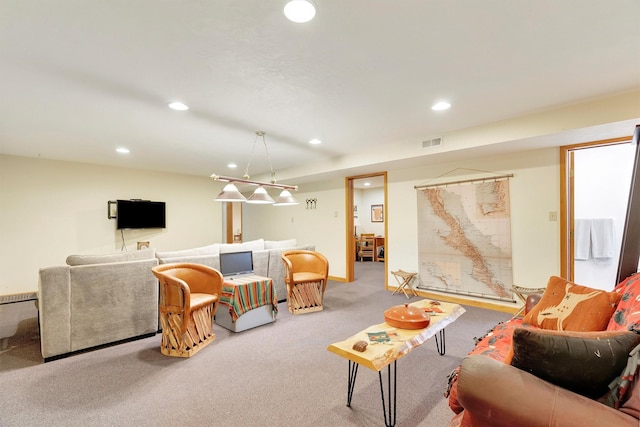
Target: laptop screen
x=234 y=263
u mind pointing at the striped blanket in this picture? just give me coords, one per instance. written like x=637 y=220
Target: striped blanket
x=246 y=293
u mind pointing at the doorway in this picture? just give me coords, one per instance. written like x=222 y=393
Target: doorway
x=232 y=218
x=595 y=182
x=367 y=213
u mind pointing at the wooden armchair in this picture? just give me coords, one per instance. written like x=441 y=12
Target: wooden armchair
x=366 y=246
x=306 y=279
x=189 y=295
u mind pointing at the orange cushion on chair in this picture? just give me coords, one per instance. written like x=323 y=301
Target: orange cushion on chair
x=566 y=306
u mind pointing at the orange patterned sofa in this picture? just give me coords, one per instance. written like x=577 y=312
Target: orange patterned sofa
x=559 y=364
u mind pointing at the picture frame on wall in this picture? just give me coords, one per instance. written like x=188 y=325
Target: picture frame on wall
x=377 y=213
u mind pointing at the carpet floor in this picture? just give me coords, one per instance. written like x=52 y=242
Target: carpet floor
x=277 y=374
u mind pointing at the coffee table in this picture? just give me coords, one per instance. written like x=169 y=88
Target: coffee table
x=377 y=356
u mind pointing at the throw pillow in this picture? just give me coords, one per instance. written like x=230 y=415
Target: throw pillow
x=627 y=314
x=566 y=306
x=583 y=362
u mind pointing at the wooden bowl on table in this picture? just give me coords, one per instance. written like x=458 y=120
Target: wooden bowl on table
x=407 y=317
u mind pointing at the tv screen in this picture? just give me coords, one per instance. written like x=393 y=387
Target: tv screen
x=140 y=214
x=234 y=263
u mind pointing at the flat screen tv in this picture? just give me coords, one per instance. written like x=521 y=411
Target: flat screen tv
x=140 y=214
x=236 y=263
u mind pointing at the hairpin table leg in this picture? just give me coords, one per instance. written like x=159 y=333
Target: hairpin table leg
x=440 y=344
x=351 y=382
x=390 y=420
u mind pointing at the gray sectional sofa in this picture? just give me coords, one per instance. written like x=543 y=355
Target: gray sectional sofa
x=267 y=258
x=101 y=299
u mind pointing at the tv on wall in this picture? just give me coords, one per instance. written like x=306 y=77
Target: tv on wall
x=140 y=214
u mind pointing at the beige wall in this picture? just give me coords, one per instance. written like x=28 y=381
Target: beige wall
x=51 y=209
x=323 y=226
x=366 y=198
x=534 y=193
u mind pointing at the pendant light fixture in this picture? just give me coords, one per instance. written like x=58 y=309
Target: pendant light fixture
x=285 y=199
x=260 y=196
x=230 y=192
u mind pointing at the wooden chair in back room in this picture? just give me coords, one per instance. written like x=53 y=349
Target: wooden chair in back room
x=189 y=296
x=306 y=275
x=366 y=246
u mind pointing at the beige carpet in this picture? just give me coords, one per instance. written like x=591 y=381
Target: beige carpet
x=277 y=374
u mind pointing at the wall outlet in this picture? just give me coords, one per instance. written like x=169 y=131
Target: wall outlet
x=553 y=216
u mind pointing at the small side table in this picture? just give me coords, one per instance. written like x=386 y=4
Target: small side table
x=247 y=302
x=404 y=279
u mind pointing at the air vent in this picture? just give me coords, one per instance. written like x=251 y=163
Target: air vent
x=432 y=142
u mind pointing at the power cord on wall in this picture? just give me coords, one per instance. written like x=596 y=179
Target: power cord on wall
x=123 y=248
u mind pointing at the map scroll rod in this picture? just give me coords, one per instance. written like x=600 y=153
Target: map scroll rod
x=494 y=178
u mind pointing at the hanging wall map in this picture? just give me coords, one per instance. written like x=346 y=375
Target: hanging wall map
x=464 y=239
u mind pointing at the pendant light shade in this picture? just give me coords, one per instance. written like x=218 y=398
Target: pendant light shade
x=285 y=199
x=230 y=193
x=260 y=196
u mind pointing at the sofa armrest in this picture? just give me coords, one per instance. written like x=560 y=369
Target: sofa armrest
x=54 y=310
x=495 y=394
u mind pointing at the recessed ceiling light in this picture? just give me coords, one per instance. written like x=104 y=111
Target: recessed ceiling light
x=232 y=166
x=442 y=105
x=300 y=11
x=315 y=141
x=178 y=106
x=366 y=184
x=122 y=150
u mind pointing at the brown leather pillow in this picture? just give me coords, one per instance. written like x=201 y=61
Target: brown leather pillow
x=566 y=306
x=583 y=362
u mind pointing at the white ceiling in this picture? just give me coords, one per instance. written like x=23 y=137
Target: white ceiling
x=80 y=78
x=368 y=183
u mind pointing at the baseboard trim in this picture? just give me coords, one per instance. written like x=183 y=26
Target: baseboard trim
x=98 y=347
x=465 y=301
